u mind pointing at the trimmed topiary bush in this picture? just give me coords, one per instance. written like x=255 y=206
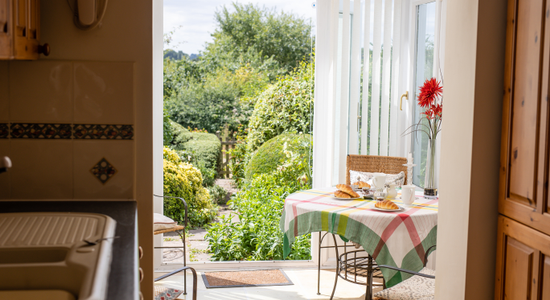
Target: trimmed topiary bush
x=286 y=106
x=183 y=180
x=279 y=151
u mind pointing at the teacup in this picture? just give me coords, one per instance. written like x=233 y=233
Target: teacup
x=407 y=194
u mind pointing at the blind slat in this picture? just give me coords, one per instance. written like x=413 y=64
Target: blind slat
x=395 y=93
x=386 y=59
x=375 y=99
x=366 y=72
x=344 y=92
x=355 y=79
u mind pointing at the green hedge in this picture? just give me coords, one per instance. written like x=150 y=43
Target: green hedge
x=183 y=180
x=277 y=152
x=200 y=148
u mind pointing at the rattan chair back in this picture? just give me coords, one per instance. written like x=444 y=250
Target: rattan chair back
x=375 y=164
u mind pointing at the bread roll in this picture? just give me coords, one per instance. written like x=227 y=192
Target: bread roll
x=347 y=189
x=386 y=204
x=362 y=184
x=340 y=194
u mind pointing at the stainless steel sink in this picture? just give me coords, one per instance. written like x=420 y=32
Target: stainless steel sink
x=56 y=251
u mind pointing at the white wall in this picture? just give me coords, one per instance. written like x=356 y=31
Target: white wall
x=122 y=44
x=470 y=149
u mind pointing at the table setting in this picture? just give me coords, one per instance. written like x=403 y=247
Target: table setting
x=395 y=234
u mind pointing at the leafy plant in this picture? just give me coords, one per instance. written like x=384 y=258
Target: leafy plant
x=183 y=180
x=217 y=193
x=257 y=236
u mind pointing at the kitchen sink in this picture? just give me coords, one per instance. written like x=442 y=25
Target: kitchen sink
x=62 y=252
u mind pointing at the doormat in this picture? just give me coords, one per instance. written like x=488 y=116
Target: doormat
x=242 y=278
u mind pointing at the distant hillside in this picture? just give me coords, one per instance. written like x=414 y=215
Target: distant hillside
x=173 y=55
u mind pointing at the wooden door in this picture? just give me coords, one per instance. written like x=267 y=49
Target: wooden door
x=523 y=262
x=523 y=194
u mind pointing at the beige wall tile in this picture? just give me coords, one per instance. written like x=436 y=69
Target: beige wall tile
x=42 y=169
x=120 y=154
x=104 y=92
x=4 y=92
x=5 y=177
x=41 y=91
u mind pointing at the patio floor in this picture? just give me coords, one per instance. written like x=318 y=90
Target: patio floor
x=305 y=287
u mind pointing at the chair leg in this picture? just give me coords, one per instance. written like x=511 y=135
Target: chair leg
x=319 y=266
x=337 y=266
x=184 y=262
x=370 y=272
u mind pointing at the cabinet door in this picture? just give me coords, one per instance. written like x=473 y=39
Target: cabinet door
x=523 y=262
x=524 y=169
x=5 y=39
x=26 y=33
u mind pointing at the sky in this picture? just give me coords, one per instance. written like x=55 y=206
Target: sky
x=192 y=21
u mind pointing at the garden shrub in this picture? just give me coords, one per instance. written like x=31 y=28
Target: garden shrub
x=181 y=179
x=275 y=152
x=199 y=148
x=259 y=204
x=286 y=106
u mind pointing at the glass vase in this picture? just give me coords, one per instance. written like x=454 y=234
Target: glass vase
x=430 y=187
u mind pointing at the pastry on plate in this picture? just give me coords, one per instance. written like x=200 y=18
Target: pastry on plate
x=386 y=204
x=347 y=189
x=362 y=184
x=340 y=194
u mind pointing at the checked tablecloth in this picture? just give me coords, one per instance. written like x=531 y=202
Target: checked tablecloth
x=392 y=238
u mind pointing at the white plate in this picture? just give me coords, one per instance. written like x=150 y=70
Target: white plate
x=345 y=198
x=387 y=210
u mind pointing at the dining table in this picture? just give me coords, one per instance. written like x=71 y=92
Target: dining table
x=394 y=238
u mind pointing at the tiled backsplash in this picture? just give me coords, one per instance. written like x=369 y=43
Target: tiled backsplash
x=68 y=127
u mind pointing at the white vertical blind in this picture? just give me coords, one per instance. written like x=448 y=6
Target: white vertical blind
x=375 y=98
x=344 y=91
x=354 y=35
x=366 y=79
x=355 y=79
x=325 y=92
x=386 y=58
x=395 y=93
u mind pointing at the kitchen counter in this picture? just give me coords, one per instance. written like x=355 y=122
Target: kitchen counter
x=123 y=278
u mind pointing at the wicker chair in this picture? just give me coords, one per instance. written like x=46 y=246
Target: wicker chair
x=375 y=164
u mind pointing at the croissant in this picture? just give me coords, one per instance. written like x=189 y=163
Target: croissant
x=386 y=204
x=362 y=184
x=347 y=189
x=340 y=194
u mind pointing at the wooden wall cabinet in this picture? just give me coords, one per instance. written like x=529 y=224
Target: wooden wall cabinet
x=20 y=30
x=523 y=248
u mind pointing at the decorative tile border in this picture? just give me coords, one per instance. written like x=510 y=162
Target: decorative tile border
x=4 y=131
x=40 y=131
x=108 y=132
x=66 y=131
x=103 y=170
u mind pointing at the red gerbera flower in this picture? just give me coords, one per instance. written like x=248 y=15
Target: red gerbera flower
x=429 y=92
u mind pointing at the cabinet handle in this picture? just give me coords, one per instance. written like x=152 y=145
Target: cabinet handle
x=44 y=49
x=140 y=252
x=141 y=275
